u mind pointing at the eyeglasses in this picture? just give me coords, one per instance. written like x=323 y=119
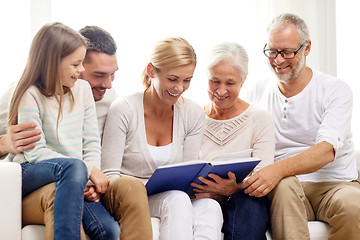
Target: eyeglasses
x=286 y=54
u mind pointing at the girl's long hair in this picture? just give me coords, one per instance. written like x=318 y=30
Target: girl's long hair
x=51 y=44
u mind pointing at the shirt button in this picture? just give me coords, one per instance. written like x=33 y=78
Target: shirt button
x=285 y=108
x=284 y=116
x=286 y=100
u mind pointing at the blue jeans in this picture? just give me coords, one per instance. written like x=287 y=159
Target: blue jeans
x=70 y=176
x=98 y=223
x=245 y=217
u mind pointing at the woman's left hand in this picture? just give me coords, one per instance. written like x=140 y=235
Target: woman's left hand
x=220 y=186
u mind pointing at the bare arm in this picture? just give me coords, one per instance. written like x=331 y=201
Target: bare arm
x=265 y=180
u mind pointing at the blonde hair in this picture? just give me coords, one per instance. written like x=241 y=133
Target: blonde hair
x=51 y=44
x=170 y=53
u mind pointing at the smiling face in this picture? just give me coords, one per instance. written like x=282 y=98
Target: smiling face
x=224 y=85
x=287 y=38
x=169 y=84
x=71 y=67
x=100 y=71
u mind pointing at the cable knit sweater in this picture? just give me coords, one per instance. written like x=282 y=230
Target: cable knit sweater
x=252 y=129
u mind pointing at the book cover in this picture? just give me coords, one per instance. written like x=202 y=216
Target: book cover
x=180 y=176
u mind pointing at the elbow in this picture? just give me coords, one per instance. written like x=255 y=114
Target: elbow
x=329 y=152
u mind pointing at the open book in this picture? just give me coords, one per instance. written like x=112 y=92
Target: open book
x=180 y=176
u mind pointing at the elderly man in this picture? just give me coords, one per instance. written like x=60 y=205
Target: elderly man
x=314 y=175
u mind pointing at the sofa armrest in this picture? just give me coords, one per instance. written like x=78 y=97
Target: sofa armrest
x=10 y=200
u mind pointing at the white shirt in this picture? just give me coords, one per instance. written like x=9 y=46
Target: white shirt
x=160 y=154
x=320 y=112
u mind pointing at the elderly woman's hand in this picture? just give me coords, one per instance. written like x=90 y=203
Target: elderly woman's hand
x=218 y=186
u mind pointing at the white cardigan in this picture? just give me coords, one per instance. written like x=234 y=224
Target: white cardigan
x=124 y=146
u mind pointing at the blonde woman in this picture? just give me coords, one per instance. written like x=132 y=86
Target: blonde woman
x=159 y=127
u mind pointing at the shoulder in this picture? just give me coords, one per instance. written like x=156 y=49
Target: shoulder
x=259 y=91
x=81 y=86
x=127 y=104
x=260 y=115
x=330 y=83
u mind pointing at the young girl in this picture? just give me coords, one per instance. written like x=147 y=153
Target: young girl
x=69 y=149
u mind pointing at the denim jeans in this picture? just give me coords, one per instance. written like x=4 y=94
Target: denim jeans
x=245 y=217
x=70 y=176
x=98 y=223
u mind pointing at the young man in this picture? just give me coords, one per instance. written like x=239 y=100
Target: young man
x=125 y=198
x=314 y=175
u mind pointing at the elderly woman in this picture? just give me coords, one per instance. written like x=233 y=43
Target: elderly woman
x=233 y=125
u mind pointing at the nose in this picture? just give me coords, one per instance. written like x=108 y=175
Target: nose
x=81 y=69
x=107 y=82
x=179 y=87
x=221 y=90
x=279 y=59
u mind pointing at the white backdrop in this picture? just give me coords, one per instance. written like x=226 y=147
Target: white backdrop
x=136 y=25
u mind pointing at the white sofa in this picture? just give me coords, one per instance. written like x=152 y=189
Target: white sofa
x=10 y=209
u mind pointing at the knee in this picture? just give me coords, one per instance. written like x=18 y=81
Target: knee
x=75 y=169
x=286 y=190
x=177 y=202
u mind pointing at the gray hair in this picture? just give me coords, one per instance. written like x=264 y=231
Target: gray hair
x=234 y=53
x=285 y=19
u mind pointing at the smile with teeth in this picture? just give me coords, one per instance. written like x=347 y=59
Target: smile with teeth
x=172 y=94
x=277 y=68
x=219 y=97
x=100 y=91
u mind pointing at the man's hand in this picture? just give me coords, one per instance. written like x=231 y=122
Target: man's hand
x=217 y=186
x=99 y=179
x=21 y=137
x=91 y=195
x=263 y=181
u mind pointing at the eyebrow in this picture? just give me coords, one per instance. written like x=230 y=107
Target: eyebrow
x=99 y=72
x=172 y=75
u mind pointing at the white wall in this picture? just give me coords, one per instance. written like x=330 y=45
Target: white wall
x=136 y=25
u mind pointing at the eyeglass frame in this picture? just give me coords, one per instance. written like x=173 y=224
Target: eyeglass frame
x=281 y=52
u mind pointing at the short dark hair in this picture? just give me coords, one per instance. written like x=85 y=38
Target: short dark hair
x=99 y=40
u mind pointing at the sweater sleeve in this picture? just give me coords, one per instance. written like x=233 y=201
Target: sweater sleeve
x=263 y=139
x=29 y=110
x=91 y=139
x=195 y=130
x=114 y=137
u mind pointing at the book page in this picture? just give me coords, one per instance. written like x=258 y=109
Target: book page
x=191 y=162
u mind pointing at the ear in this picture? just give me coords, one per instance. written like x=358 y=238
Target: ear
x=149 y=70
x=308 y=48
